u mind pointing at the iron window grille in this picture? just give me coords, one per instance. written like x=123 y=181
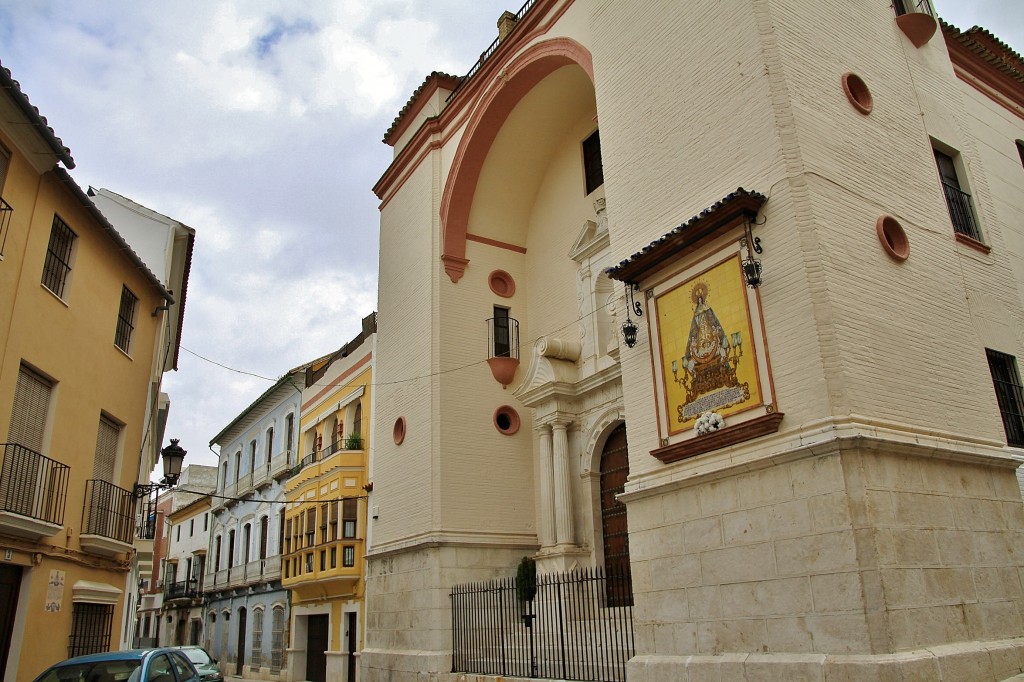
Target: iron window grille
x=126 y=320
x=958 y=202
x=503 y=335
x=57 y=265
x=90 y=628
x=348 y=556
x=1009 y=395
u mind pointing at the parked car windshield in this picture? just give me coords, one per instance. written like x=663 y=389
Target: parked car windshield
x=115 y=671
x=197 y=655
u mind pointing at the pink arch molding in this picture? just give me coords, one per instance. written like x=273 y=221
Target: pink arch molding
x=517 y=79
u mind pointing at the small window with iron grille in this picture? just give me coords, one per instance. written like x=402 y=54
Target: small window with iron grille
x=126 y=320
x=349 y=512
x=59 y=253
x=348 y=556
x=90 y=628
x=958 y=202
x=593 y=169
x=1009 y=395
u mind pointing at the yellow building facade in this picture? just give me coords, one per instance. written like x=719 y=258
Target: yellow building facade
x=325 y=526
x=82 y=319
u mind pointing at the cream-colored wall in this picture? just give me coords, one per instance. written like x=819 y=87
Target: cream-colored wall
x=408 y=274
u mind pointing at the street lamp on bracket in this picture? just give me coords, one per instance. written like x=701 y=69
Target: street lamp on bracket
x=172 y=456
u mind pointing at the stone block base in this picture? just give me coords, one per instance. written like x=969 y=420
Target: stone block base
x=961 y=662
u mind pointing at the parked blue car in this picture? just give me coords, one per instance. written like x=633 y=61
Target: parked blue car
x=137 y=665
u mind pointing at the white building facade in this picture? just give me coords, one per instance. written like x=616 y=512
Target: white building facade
x=630 y=215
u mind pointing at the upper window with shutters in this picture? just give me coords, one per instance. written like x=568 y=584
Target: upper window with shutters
x=108 y=438
x=30 y=411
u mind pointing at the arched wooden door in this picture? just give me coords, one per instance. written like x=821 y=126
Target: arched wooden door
x=614 y=529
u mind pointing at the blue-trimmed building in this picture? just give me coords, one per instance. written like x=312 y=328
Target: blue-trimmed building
x=247 y=610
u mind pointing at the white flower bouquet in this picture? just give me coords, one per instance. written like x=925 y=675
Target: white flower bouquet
x=708 y=422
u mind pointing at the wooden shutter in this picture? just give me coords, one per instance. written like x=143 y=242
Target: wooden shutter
x=106 y=450
x=31 y=405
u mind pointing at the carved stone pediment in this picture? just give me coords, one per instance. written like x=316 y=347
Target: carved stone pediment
x=552 y=371
x=593 y=236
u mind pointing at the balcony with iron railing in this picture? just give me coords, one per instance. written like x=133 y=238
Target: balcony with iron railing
x=33 y=493
x=960 y=212
x=108 y=520
x=182 y=589
x=6 y=213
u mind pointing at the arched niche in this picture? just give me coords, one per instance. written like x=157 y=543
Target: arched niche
x=518 y=80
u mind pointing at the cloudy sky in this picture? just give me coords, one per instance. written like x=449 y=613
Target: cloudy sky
x=259 y=123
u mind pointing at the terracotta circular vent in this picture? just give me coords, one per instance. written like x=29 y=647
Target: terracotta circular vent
x=398 y=433
x=506 y=420
x=893 y=238
x=502 y=283
x=857 y=92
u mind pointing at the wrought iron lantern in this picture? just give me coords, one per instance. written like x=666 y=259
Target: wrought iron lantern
x=172 y=457
x=751 y=266
x=629 y=328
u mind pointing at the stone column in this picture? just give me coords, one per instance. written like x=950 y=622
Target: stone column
x=564 y=531
x=547 y=499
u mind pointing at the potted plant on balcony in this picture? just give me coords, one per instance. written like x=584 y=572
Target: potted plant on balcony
x=353 y=442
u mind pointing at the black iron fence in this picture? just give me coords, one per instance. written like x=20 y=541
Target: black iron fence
x=568 y=631
x=109 y=511
x=32 y=484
